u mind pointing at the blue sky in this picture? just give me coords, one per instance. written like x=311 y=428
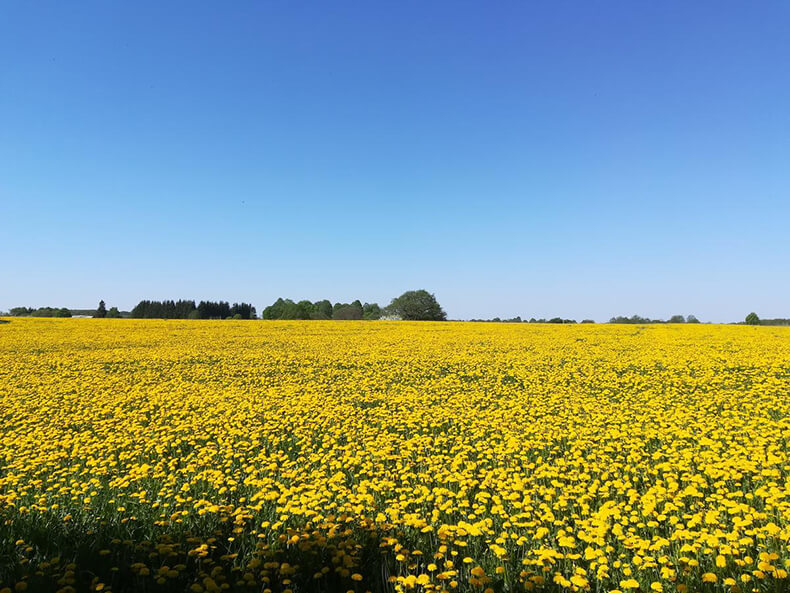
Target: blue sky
x=581 y=159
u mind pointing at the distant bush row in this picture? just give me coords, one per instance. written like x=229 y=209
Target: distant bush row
x=638 y=319
x=619 y=319
x=40 y=312
x=518 y=319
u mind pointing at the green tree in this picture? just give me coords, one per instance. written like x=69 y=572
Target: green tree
x=322 y=310
x=417 y=305
x=676 y=319
x=371 y=311
x=287 y=309
x=346 y=311
x=358 y=310
x=752 y=319
x=304 y=309
x=113 y=313
x=275 y=310
x=101 y=311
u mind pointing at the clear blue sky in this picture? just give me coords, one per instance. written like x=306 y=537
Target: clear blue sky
x=581 y=159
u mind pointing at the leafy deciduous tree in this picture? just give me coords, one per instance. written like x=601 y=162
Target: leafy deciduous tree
x=417 y=305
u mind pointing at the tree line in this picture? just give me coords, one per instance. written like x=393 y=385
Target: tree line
x=753 y=319
x=412 y=305
x=643 y=320
x=323 y=309
x=40 y=312
x=619 y=319
x=518 y=319
x=187 y=309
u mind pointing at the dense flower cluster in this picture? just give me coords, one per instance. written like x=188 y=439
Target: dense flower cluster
x=335 y=456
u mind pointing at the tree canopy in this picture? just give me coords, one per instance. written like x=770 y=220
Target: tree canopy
x=752 y=319
x=417 y=305
x=323 y=309
x=187 y=309
x=40 y=312
x=641 y=320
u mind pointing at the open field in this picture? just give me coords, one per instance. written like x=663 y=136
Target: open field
x=336 y=456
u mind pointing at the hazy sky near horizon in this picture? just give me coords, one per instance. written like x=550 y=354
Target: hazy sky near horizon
x=574 y=159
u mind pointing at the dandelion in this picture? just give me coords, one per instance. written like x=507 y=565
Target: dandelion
x=218 y=453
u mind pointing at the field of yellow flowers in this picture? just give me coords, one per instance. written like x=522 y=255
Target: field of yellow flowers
x=392 y=456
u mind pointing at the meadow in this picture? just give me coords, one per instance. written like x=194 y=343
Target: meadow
x=390 y=456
